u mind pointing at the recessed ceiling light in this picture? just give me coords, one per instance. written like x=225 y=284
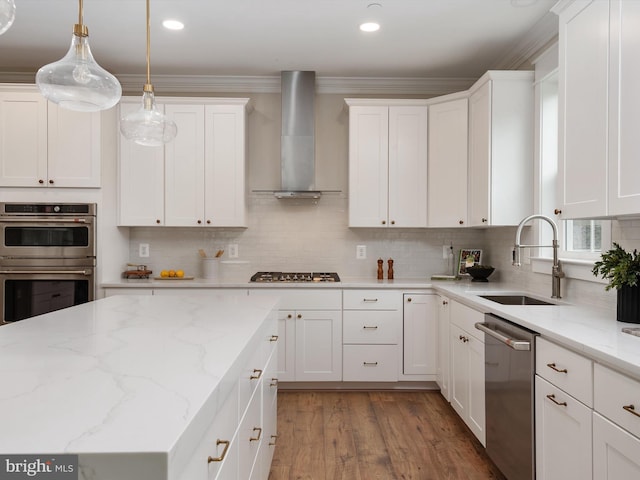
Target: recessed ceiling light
x=370 y=27
x=173 y=24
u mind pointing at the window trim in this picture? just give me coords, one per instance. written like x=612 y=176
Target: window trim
x=572 y=268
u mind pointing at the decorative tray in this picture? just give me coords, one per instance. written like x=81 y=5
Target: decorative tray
x=173 y=278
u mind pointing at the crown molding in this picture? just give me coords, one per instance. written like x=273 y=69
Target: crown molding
x=544 y=32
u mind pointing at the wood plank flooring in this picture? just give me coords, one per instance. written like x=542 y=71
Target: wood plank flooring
x=380 y=435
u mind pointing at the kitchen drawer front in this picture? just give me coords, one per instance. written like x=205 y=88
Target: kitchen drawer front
x=466 y=318
x=371 y=327
x=303 y=298
x=613 y=392
x=370 y=363
x=565 y=369
x=250 y=435
x=372 y=300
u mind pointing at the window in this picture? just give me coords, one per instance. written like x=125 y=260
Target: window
x=578 y=239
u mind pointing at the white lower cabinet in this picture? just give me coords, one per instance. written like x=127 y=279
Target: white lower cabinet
x=563 y=409
x=238 y=445
x=309 y=333
x=467 y=368
x=563 y=434
x=616 y=453
x=616 y=425
x=420 y=324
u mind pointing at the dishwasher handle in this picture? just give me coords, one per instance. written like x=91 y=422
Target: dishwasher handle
x=512 y=343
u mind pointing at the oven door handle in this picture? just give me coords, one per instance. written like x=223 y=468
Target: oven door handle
x=513 y=343
x=42 y=220
x=43 y=272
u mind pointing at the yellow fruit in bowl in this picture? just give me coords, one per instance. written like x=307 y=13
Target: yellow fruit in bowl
x=164 y=273
x=179 y=273
x=172 y=273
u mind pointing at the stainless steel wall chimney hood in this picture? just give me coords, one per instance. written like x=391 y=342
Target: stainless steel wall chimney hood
x=298 y=135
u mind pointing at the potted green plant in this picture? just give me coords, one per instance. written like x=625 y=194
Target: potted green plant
x=622 y=270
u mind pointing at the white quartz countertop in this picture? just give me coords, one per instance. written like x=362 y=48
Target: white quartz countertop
x=121 y=374
x=592 y=331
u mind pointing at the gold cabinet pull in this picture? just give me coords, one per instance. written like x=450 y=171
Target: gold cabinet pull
x=274 y=382
x=274 y=338
x=393 y=222
x=409 y=299
x=553 y=367
x=552 y=397
x=226 y=444
x=557 y=211
x=255 y=439
x=289 y=316
x=365 y=327
x=384 y=222
x=370 y=363
x=299 y=315
x=444 y=302
x=254 y=376
x=274 y=439
x=631 y=409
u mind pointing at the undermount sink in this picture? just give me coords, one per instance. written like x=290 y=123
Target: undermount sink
x=515 y=300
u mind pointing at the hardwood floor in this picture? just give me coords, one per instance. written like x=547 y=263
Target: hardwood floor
x=374 y=435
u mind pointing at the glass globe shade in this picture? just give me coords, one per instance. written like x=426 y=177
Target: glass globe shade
x=77 y=82
x=7 y=14
x=148 y=126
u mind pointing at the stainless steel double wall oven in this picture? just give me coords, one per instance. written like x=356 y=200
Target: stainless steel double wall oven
x=47 y=257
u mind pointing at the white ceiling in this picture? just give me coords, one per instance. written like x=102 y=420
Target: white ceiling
x=419 y=38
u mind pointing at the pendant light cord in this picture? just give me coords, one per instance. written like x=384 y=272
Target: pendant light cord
x=80 y=13
x=148 y=86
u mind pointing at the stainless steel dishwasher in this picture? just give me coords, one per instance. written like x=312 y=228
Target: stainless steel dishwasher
x=509 y=368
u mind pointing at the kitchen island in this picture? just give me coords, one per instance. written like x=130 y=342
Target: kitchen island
x=131 y=384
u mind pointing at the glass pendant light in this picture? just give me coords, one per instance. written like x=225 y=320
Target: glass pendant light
x=148 y=125
x=77 y=82
x=7 y=14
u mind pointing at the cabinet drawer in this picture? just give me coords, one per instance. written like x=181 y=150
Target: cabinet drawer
x=466 y=318
x=565 y=369
x=371 y=300
x=250 y=435
x=370 y=363
x=303 y=298
x=614 y=396
x=371 y=327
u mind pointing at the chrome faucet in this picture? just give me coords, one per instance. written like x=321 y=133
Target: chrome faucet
x=556 y=270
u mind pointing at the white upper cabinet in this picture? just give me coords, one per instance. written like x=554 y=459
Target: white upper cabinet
x=43 y=145
x=624 y=108
x=599 y=108
x=198 y=179
x=387 y=163
x=583 y=72
x=447 y=175
x=140 y=178
x=500 y=180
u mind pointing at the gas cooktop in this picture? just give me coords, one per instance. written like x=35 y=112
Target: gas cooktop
x=295 y=277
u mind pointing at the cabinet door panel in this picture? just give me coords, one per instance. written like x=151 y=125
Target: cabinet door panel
x=624 y=108
x=224 y=169
x=407 y=167
x=616 y=453
x=368 y=166
x=184 y=164
x=583 y=109
x=476 y=389
x=447 y=175
x=74 y=147
x=459 y=372
x=318 y=346
x=23 y=139
x=563 y=434
x=140 y=180
x=443 y=366
x=286 y=345
x=420 y=334
x=479 y=155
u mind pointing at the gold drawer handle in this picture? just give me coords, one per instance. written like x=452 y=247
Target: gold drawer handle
x=375 y=327
x=631 y=409
x=255 y=439
x=370 y=363
x=275 y=440
x=552 y=397
x=254 y=376
x=224 y=452
x=274 y=382
x=553 y=367
x=274 y=338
